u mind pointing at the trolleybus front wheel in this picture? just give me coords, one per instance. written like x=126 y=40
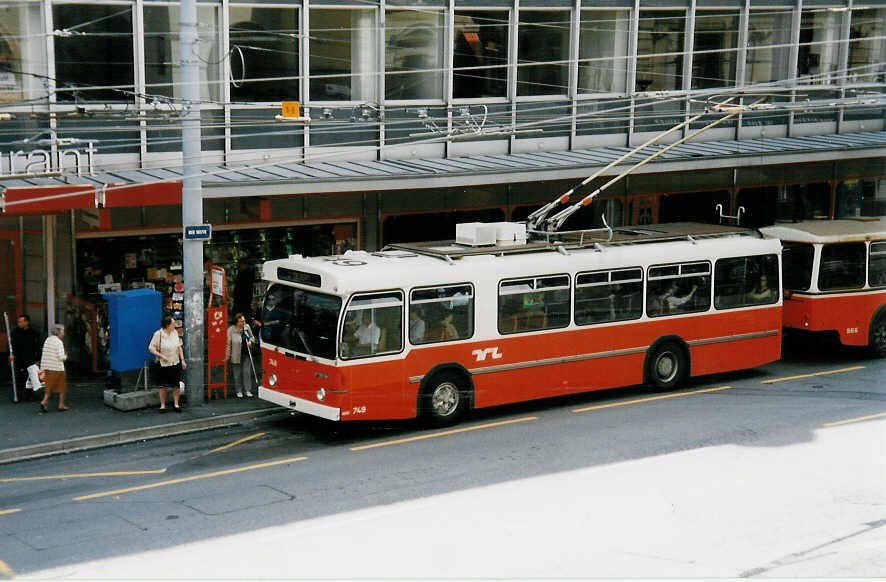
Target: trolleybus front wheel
x=445 y=399
x=877 y=340
x=666 y=366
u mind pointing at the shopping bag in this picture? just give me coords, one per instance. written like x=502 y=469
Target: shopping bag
x=34 y=381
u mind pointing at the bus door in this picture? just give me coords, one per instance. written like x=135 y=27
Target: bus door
x=372 y=347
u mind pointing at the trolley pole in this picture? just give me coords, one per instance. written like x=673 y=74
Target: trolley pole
x=192 y=202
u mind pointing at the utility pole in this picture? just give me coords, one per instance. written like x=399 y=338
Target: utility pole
x=192 y=201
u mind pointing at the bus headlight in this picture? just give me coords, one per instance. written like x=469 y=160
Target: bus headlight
x=321 y=394
x=272 y=380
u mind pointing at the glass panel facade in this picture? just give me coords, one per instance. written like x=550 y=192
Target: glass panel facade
x=414 y=54
x=769 y=38
x=603 y=51
x=715 y=49
x=543 y=52
x=162 y=71
x=22 y=54
x=343 y=55
x=817 y=60
x=660 y=50
x=480 y=54
x=867 y=46
x=94 y=52
x=263 y=50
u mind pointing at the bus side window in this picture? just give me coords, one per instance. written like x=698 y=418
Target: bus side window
x=608 y=296
x=442 y=313
x=877 y=265
x=373 y=325
x=743 y=281
x=533 y=304
x=842 y=266
x=674 y=289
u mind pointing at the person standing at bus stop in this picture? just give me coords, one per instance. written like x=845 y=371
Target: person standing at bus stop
x=240 y=341
x=25 y=343
x=52 y=363
x=167 y=346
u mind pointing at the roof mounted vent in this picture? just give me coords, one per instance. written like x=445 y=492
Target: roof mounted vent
x=477 y=234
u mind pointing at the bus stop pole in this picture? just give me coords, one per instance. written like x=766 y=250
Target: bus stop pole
x=192 y=203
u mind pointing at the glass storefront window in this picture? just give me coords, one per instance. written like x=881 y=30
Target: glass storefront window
x=162 y=73
x=660 y=50
x=264 y=54
x=543 y=52
x=94 y=52
x=480 y=54
x=867 y=46
x=817 y=60
x=22 y=53
x=603 y=51
x=715 y=49
x=343 y=55
x=414 y=54
x=769 y=37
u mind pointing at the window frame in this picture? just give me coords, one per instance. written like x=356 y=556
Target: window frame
x=744 y=301
x=535 y=279
x=472 y=311
x=608 y=283
x=679 y=275
x=348 y=307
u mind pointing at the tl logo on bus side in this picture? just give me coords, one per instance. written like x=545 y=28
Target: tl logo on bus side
x=481 y=354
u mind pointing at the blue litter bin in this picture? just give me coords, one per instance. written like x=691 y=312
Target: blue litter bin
x=133 y=317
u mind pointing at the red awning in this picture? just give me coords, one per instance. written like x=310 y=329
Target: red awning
x=30 y=200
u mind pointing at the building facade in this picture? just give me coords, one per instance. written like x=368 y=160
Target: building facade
x=423 y=113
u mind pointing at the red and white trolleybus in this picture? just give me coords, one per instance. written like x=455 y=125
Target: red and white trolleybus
x=835 y=278
x=433 y=329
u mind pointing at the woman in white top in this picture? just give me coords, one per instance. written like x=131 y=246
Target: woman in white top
x=52 y=362
x=167 y=346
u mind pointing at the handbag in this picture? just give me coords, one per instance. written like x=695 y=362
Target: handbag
x=155 y=365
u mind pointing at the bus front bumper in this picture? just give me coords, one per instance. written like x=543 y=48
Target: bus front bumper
x=299 y=404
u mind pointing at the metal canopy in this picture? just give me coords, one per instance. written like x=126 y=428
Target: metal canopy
x=326 y=175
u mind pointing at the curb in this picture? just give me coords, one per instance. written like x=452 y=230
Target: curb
x=133 y=435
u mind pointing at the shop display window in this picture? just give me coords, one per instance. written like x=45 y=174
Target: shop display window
x=867 y=46
x=603 y=51
x=162 y=73
x=715 y=49
x=660 y=50
x=480 y=54
x=96 y=55
x=343 y=54
x=543 y=52
x=414 y=54
x=263 y=52
x=22 y=53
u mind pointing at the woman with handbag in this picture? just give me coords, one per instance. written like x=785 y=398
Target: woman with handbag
x=167 y=346
x=240 y=340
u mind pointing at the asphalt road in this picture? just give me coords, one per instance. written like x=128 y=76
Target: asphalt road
x=758 y=473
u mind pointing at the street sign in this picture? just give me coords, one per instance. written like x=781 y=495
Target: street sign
x=198 y=232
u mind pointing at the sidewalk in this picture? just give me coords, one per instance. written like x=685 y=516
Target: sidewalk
x=27 y=434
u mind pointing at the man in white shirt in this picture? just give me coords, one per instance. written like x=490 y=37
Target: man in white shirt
x=368 y=334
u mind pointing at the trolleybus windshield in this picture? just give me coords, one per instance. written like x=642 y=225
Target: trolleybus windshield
x=300 y=320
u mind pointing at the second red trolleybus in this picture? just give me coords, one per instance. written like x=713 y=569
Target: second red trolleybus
x=433 y=329
x=835 y=278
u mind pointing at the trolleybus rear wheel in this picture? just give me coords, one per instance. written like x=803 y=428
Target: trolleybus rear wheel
x=445 y=399
x=666 y=366
x=877 y=340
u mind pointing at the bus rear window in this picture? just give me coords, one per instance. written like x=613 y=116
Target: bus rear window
x=796 y=261
x=842 y=266
x=301 y=321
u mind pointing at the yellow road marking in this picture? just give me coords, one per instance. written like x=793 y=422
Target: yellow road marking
x=235 y=443
x=443 y=433
x=8 y=511
x=825 y=373
x=84 y=475
x=650 y=399
x=859 y=419
x=186 y=479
